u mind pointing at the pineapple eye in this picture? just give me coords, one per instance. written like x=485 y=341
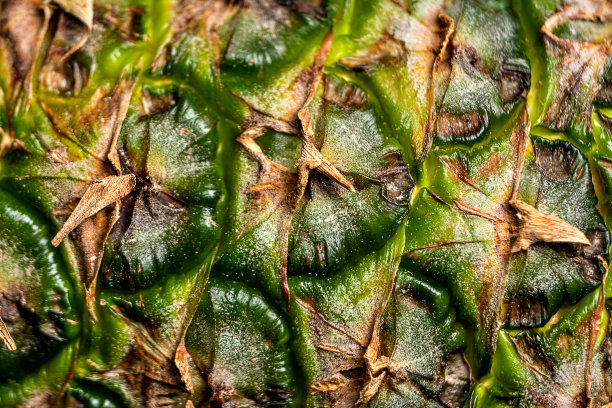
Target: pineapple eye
x=305 y=203
x=466 y=126
x=558 y=161
x=396 y=180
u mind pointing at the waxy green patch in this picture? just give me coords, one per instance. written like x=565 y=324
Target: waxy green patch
x=305 y=203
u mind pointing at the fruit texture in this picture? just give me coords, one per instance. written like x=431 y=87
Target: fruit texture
x=383 y=203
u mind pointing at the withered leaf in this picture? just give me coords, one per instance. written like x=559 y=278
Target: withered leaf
x=99 y=194
x=534 y=226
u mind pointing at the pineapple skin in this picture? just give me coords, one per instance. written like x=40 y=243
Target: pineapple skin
x=385 y=203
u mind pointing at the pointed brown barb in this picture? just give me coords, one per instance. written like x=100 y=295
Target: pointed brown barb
x=471 y=210
x=99 y=194
x=534 y=226
x=442 y=54
x=376 y=368
x=182 y=363
x=123 y=94
x=528 y=225
x=313 y=159
x=83 y=10
x=580 y=65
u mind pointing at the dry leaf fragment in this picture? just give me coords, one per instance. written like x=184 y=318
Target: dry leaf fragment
x=529 y=225
x=182 y=363
x=333 y=383
x=100 y=194
x=371 y=388
x=6 y=336
x=535 y=226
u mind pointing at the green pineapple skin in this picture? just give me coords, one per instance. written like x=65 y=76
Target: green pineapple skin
x=406 y=292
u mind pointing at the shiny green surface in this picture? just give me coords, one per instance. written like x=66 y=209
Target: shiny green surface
x=427 y=107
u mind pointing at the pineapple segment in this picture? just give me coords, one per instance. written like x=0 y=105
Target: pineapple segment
x=320 y=203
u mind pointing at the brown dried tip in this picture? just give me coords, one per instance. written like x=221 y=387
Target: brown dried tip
x=533 y=226
x=376 y=368
x=333 y=383
x=182 y=363
x=100 y=194
x=313 y=159
x=6 y=336
x=529 y=225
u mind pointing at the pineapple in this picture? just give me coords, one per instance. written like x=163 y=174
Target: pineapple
x=382 y=203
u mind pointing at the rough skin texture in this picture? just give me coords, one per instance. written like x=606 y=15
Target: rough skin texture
x=307 y=203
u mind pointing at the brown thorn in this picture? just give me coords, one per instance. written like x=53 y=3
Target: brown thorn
x=259 y=187
x=439 y=245
x=591 y=11
x=531 y=225
x=77 y=46
x=26 y=85
x=83 y=11
x=334 y=383
x=247 y=140
x=309 y=151
x=594 y=329
x=376 y=366
x=536 y=226
x=259 y=118
x=304 y=117
x=272 y=123
x=6 y=336
x=471 y=210
x=334 y=349
x=319 y=64
x=99 y=195
x=587 y=54
x=182 y=364
x=124 y=88
x=371 y=388
x=311 y=155
x=303 y=174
